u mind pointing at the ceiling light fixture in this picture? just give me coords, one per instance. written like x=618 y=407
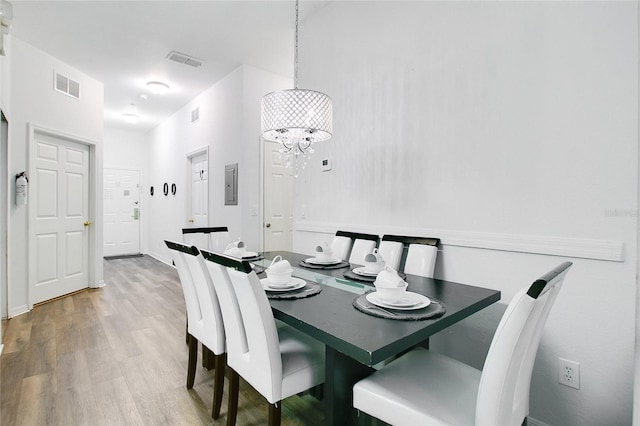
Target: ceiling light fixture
x=296 y=118
x=157 y=87
x=130 y=118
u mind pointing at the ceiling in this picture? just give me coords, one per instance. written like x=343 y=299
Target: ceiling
x=124 y=44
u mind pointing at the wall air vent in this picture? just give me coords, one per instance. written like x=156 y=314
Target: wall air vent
x=195 y=115
x=65 y=85
x=185 y=59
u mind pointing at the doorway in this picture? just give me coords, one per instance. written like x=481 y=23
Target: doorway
x=121 y=204
x=278 y=208
x=61 y=184
x=198 y=196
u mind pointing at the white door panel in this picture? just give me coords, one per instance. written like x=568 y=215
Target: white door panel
x=278 y=217
x=199 y=197
x=59 y=239
x=121 y=196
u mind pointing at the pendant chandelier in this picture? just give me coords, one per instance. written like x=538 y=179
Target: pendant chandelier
x=296 y=118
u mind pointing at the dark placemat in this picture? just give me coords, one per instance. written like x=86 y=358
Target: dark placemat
x=254 y=258
x=435 y=309
x=336 y=266
x=306 y=291
x=355 y=277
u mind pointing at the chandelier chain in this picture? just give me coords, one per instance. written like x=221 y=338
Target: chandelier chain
x=295 y=52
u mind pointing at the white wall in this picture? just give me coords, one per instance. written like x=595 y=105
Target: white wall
x=33 y=100
x=509 y=130
x=129 y=149
x=229 y=126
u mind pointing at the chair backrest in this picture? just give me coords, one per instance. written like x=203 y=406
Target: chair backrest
x=421 y=260
x=253 y=348
x=419 y=254
x=203 y=310
x=503 y=395
x=214 y=238
x=362 y=244
x=391 y=252
x=341 y=246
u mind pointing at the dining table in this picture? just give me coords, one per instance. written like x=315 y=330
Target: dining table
x=355 y=341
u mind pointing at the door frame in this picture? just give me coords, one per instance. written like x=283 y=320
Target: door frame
x=92 y=255
x=4 y=217
x=189 y=157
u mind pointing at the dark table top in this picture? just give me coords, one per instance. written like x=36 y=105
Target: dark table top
x=331 y=318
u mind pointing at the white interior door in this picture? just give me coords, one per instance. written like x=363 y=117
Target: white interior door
x=121 y=193
x=4 y=201
x=199 y=195
x=59 y=217
x=278 y=209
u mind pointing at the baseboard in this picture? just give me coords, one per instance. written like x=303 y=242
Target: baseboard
x=1 y=347
x=18 y=310
x=161 y=259
x=539 y=244
x=535 y=422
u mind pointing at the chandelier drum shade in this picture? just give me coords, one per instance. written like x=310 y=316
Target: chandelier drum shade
x=296 y=118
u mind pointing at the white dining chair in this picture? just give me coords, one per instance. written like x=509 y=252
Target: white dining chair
x=421 y=260
x=214 y=238
x=391 y=252
x=204 y=317
x=277 y=361
x=341 y=246
x=424 y=387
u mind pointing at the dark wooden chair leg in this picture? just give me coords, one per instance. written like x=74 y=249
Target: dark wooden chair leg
x=275 y=413
x=218 y=384
x=232 y=405
x=193 y=359
x=208 y=358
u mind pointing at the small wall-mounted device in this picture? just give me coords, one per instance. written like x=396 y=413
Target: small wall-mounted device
x=326 y=165
x=21 y=188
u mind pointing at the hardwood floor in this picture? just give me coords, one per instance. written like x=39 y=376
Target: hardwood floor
x=117 y=356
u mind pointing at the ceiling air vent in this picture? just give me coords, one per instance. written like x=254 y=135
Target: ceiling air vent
x=195 y=115
x=66 y=85
x=185 y=59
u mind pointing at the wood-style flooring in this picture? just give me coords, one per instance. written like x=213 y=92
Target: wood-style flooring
x=117 y=356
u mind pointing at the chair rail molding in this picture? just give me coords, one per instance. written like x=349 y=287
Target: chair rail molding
x=612 y=251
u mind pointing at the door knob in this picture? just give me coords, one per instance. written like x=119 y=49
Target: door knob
x=190 y=221
x=87 y=223
x=268 y=225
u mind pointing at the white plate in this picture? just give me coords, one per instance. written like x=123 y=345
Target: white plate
x=316 y=261
x=409 y=301
x=249 y=254
x=360 y=271
x=294 y=284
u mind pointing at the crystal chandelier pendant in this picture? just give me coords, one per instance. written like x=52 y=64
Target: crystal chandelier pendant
x=296 y=118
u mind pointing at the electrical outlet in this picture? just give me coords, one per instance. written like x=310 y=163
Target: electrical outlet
x=569 y=373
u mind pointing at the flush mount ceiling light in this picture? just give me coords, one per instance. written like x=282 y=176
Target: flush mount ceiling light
x=130 y=118
x=157 y=87
x=296 y=118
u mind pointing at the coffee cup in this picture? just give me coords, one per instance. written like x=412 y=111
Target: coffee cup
x=373 y=262
x=324 y=252
x=279 y=272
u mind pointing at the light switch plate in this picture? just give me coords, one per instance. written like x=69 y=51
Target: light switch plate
x=326 y=165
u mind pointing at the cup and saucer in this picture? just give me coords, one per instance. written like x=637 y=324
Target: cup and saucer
x=323 y=257
x=279 y=277
x=373 y=264
x=391 y=292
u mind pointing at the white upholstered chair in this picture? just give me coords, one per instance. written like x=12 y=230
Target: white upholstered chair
x=360 y=245
x=421 y=260
x=214 y=238
x=341 y=246
x=427 y=388
x=391 y=252
x=277 y=361
x=204 y=318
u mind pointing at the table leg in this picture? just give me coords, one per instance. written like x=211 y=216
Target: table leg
x=341 y=373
